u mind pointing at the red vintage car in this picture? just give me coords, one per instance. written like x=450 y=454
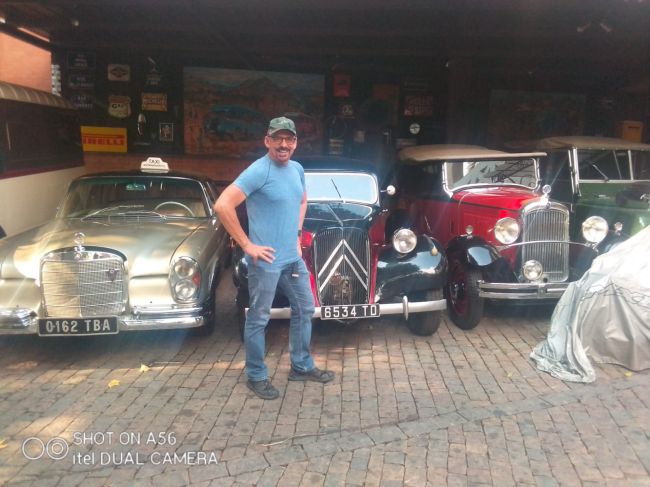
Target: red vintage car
x=503 y=237
x=363 y=264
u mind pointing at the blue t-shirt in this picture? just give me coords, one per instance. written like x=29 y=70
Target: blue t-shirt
x=273 y=196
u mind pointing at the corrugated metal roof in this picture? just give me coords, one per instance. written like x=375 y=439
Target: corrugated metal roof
x=9 y=91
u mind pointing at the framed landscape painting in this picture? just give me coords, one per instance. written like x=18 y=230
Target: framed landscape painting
x=226 y=111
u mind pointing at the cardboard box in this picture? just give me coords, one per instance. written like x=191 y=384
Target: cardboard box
x=630 y=130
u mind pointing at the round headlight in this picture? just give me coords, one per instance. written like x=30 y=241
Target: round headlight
x=185 y=290
x=404 y=240
x=185 y=267
x=506 y=230
x=532 y=270
x=594 y=229
x=185 y=279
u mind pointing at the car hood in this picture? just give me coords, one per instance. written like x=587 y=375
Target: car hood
x=505 y=197
x=327 y=214
x=632 y=196
x=148 y=245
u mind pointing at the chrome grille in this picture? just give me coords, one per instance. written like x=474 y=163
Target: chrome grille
x=77 y=284
x=342 y=263
x=542 y=224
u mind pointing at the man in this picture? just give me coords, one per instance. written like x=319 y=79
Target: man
x=276 y=201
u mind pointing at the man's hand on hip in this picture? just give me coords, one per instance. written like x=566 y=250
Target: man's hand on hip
x=267 y=254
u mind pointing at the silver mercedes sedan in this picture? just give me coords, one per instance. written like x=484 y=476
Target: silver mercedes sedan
x=137 y=250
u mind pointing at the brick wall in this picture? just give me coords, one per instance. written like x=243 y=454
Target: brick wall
x=24 y=64
x=224 y=170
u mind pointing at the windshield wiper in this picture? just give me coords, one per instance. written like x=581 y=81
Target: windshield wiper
x=109 y=208
x=329 y=207
x=337 y=190
x=142 y=213
x=593 y=164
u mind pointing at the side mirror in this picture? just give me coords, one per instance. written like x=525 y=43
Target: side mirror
x=390 y=190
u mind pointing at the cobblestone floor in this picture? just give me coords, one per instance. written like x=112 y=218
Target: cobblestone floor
x=457 y=408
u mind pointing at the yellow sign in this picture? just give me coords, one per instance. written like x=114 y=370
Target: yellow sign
x=103 y=139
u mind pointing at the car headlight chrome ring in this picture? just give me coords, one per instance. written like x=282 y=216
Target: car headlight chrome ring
x=404 y=240
x=184 y=267
x=185 y=279
x=506 y=230
x=594 y=229
x=185 y=290
x=532 y=270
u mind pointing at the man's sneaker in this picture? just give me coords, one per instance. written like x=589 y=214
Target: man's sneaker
x=315 y=375
x=263 y=389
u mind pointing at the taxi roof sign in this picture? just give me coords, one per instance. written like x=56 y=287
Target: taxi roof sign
x=155 y=165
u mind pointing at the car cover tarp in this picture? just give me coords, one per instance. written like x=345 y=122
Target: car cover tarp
x=605 y=316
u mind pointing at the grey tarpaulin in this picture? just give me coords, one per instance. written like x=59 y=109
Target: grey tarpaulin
x=605 y=316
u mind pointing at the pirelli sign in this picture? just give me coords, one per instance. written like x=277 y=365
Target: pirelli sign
x=103 y=139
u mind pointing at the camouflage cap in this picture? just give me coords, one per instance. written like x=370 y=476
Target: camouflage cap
x=281 y=123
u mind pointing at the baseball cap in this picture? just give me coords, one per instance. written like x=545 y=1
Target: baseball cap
x=281 y=123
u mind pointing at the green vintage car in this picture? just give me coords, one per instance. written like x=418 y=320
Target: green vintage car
x=599 y=176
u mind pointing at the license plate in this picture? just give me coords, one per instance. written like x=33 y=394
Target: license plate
x=349 y=311
x=77 y=326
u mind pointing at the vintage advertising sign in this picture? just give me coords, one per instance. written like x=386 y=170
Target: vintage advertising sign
x=155 y=102
x=420 y=105
x=341 y=85
x=418 y=99
x=166 y=132
x=81 y=60
x=81 y=80
x=103 y=139
x=82 y=101
x=154 y=78
x=119 y=72
x=119 y=106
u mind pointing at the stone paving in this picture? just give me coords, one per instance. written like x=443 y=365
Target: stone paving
x=457 y=408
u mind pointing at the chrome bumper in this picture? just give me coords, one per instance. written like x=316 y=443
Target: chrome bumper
x=522 y=290
x=20 y=321
x=17 y=321
x=404 y=308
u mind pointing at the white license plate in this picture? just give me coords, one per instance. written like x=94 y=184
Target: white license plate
x=77 y=326
x=349 y=311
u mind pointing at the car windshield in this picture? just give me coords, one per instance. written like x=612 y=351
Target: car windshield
x=509 y=171
x=119 y=196
x=346 y=187
x=606 y=165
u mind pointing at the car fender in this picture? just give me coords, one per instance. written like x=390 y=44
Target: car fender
x=423 y=269
x=473 y=250
x=397 y=219
x=239 y=268
x=207 y=246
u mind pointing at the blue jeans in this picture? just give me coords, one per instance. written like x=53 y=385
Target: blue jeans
x=262 y=284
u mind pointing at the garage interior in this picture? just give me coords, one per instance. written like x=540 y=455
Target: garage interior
x=394 y=73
